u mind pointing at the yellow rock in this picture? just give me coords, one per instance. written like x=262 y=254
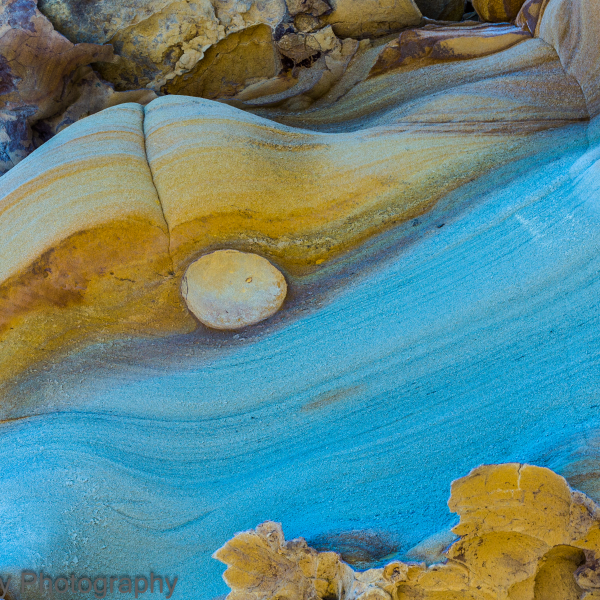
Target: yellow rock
x=497 y=11
x=370 y=18
x=156 y=40
x=148 y=190
x=519 y=541
x=228 y=289
x=84 y=244
x=230 y=66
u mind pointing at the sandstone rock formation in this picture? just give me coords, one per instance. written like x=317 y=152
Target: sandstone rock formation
x=228 y=289
x=163 y=43
x=358 y=142
x=46 y=81
x=271 y=54
x=102 y=263
x=524 y=535
x=497 y=11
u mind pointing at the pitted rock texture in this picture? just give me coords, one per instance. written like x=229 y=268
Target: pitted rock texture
x=159 y=41
x=524 y=535
x=228 y=289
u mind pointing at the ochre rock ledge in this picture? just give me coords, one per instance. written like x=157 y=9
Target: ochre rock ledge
x=524 y=535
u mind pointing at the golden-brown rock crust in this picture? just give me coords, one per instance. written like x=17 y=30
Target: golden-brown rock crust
x=524 y=535
x=497 y=11
x=159 y=41
x=46 y=81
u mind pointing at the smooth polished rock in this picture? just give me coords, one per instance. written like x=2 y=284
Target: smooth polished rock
x=84 y=246
x=228 y=289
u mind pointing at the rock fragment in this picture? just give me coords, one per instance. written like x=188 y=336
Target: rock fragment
x=228 y=289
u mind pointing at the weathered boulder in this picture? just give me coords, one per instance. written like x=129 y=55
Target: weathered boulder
x=371 y=18
x=228 y=289
x=497 y=11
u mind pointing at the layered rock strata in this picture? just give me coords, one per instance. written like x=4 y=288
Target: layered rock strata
x=271 y=54
x=165 y=183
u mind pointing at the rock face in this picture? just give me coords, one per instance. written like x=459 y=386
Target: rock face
x=159 y=42
x=36 y=70
x=497 y=11
x=46 y=81
x=524 y=535
x=371 y=18
x=228 y=289
x=375 y=149
x=274 y=54
x=434 y=43
x=104 y=262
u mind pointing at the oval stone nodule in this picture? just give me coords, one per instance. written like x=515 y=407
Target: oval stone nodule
x=228 y=289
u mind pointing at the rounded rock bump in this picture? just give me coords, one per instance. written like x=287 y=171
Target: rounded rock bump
x=229 y=289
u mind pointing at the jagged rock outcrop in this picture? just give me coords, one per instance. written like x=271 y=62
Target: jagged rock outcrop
x=46 y=81
x=159 y=42
x=524 y=535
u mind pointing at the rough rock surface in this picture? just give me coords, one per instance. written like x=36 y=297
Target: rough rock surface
x=371 y=18
x=524 y=535
x=160 y=41
x=36 y=66
x=497 y=11
x=228 y=289
x=46 y=81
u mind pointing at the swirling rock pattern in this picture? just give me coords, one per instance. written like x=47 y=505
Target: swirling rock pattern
x=380 y=155
x=430 y=198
